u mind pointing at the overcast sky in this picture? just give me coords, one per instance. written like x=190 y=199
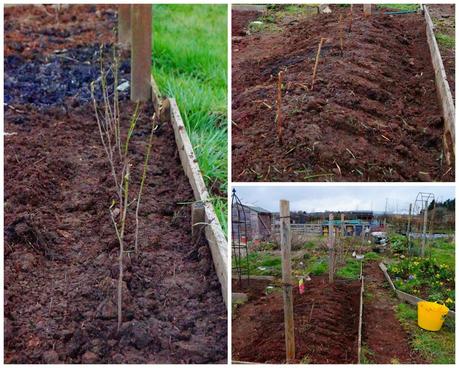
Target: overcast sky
x=335 y=198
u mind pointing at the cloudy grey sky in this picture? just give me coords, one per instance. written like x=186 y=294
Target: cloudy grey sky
x=335 y=198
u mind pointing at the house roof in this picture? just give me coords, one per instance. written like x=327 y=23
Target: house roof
x=256 y=209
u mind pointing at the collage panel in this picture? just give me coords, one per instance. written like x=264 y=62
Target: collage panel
x=343 y=274
x=115 y=161
x=350 y=93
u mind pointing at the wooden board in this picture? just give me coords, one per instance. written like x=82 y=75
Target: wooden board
x=411 y=299
x=443 y=91
x=213 y=230
x=254 y=277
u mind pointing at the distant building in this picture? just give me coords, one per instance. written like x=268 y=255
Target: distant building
x=253 y=223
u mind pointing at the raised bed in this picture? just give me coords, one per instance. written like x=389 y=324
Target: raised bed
x=326 y=321
x=408 y=298
x=373 y=113
x=60 y=248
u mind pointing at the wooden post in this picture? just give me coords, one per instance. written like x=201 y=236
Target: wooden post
x=367 y=9
x=124 y=24
x=287 y=280
x=141 y=52
x=198 y=219
x=331 y=249
x=424 y=231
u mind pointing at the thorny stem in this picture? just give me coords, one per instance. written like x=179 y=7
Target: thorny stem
x=142 y=182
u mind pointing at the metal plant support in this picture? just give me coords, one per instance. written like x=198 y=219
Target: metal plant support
x=420 y=206
x=239 y=239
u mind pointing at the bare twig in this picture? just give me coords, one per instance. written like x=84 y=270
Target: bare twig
x=142 y=181
x=279 y=106
x=314 y=73
x=341 y=29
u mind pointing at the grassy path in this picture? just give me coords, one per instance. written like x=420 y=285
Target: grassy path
x=190 y=64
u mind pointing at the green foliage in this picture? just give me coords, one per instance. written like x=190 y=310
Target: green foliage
x=351 y=270
x=264 y=264
x=445 y=40
x=372 y=256
x=267 y=246
x=426 y=278
x=318 y=267
x=309 y=244
x=190 y=64
x=435 y=347
x=398 y=243
x=399 y=7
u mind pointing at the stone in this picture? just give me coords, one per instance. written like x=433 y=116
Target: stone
x=50 y=357
x=89 y=358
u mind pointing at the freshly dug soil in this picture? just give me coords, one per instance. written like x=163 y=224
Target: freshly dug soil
x=372 y=115
x=46 y=29
x=383 y=336
x=241 y=20
x=326 y=324
x=61 y=251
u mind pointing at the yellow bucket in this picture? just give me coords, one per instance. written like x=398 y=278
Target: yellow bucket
x=431 y=315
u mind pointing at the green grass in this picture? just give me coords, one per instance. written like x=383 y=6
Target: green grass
x=399 y=7
x=317 y=266
x=264 y=264
x=435 y=347
x=351 y=270
x=445 y=40
x=443 y=252
x=190 y=64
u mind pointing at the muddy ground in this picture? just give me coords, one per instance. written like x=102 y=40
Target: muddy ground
x=373 y=114
x=384 y=339
x=326 y=323
x=60 y=247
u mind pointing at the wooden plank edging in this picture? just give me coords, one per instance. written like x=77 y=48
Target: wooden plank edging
x=213 y=230
x=411 y=299
x=443 y=91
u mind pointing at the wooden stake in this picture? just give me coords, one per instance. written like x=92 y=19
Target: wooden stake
x=141 y=52
x=350 y=21
x=287 y=280
x=367 y=9
x=341 y=29
x=124 y=24
x=331 y=249
x=198 y=221
x=279 y=106
x=314 y=73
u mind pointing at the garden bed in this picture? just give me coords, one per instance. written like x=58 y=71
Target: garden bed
x=373 y=113
x=326 y=323
x=60 y=247
x=384 y=339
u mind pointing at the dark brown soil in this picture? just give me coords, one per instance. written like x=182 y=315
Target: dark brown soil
x=241 y=19
x=326 y=323
x=383 y=335
x=45 y=29
x=61 y=250
x=373 y=114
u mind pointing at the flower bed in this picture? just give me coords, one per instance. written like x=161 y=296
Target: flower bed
x=426 y=279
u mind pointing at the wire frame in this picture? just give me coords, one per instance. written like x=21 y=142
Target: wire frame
x=239 y=239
